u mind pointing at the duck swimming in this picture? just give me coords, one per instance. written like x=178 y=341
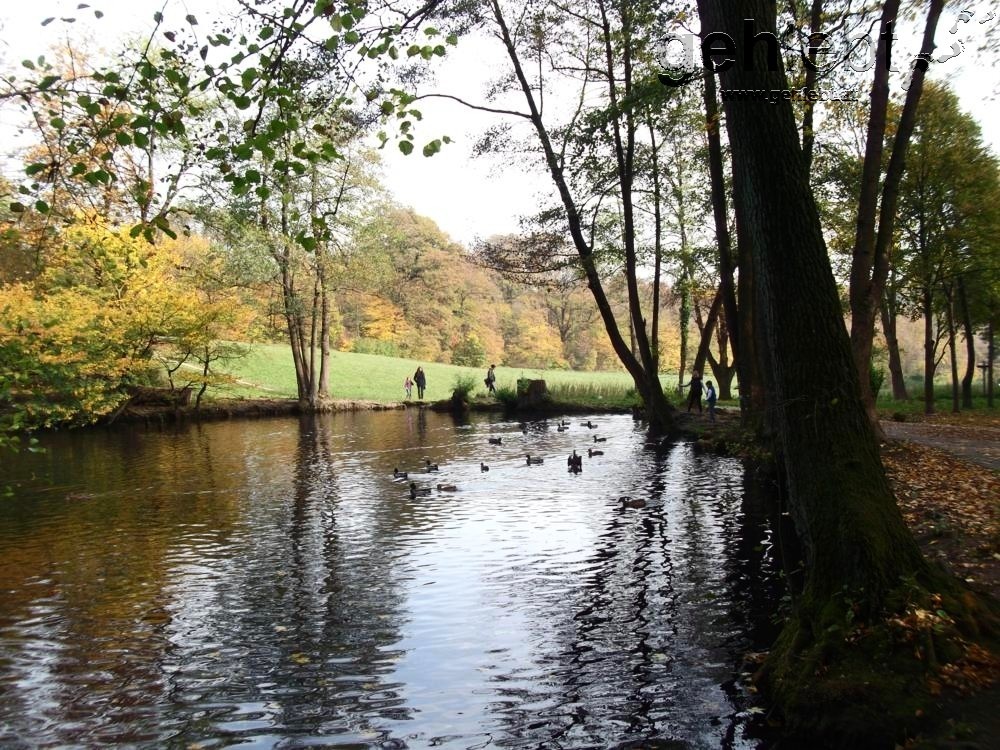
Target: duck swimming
x=483 y=467
x=397 y=474
x=599 y=439
x=447 y=488
x=428 y=466
x=591 y=452
x=628 y=502
x=495 y=441
x=414 y=490
x=534 y=460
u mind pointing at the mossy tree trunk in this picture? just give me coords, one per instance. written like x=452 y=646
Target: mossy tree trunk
x=853 y=535
x=862 y=563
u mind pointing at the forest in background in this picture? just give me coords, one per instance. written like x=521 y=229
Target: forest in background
x=151 y=238
x=792 y=216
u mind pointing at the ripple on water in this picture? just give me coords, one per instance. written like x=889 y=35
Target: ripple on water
x=270 y=583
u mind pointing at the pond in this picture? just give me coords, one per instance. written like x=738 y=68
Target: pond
x=269 y=583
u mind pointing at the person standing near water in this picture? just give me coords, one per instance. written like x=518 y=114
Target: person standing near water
x=694 y=399
x=408 y=387
x=710 y=399
x=421 y=380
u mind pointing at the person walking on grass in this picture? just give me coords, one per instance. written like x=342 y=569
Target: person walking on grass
x=408 y=387
x=491 y=379
x=421 y=380
x=710 y=399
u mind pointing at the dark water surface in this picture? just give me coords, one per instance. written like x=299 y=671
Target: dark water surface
x=268 y=584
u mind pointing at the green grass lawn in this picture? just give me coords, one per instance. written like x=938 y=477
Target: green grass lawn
x=267 y=371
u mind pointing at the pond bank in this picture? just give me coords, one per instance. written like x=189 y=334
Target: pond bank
x=949 y=505
x=222 y=409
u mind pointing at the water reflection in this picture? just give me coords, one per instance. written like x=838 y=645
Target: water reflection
x=270 y=582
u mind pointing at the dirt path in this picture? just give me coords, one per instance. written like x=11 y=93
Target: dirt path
x=977 y=444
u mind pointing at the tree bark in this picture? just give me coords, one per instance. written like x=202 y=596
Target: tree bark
x=990 y=357
x=970 y=345
x=642 y=369
x=683 y=323
x=896 y=375
x=657 y=240
x=809 y=106
x=720 y=214
x=952 y=353
x=870 y=262
x=753 y=379
x=852 y=532
x=930 y=348
x=707 y=330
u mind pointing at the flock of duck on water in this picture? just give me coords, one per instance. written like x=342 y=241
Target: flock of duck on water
x=574 y=461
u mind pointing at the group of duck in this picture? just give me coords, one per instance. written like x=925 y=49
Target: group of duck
x=574 y=463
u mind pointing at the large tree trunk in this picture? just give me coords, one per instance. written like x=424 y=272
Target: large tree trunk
x=851 y=529
x=753 y=379
x=860 y=557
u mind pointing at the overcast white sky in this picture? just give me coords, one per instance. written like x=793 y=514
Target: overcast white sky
x=466 y=196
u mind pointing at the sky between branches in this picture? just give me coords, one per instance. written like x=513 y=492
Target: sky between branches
x=468 y=197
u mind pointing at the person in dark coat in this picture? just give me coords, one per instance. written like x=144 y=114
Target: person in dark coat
x=491 y=379
x=421 y=380
x=694 y=398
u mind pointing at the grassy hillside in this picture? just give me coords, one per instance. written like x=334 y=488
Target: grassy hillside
x=268 y=371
